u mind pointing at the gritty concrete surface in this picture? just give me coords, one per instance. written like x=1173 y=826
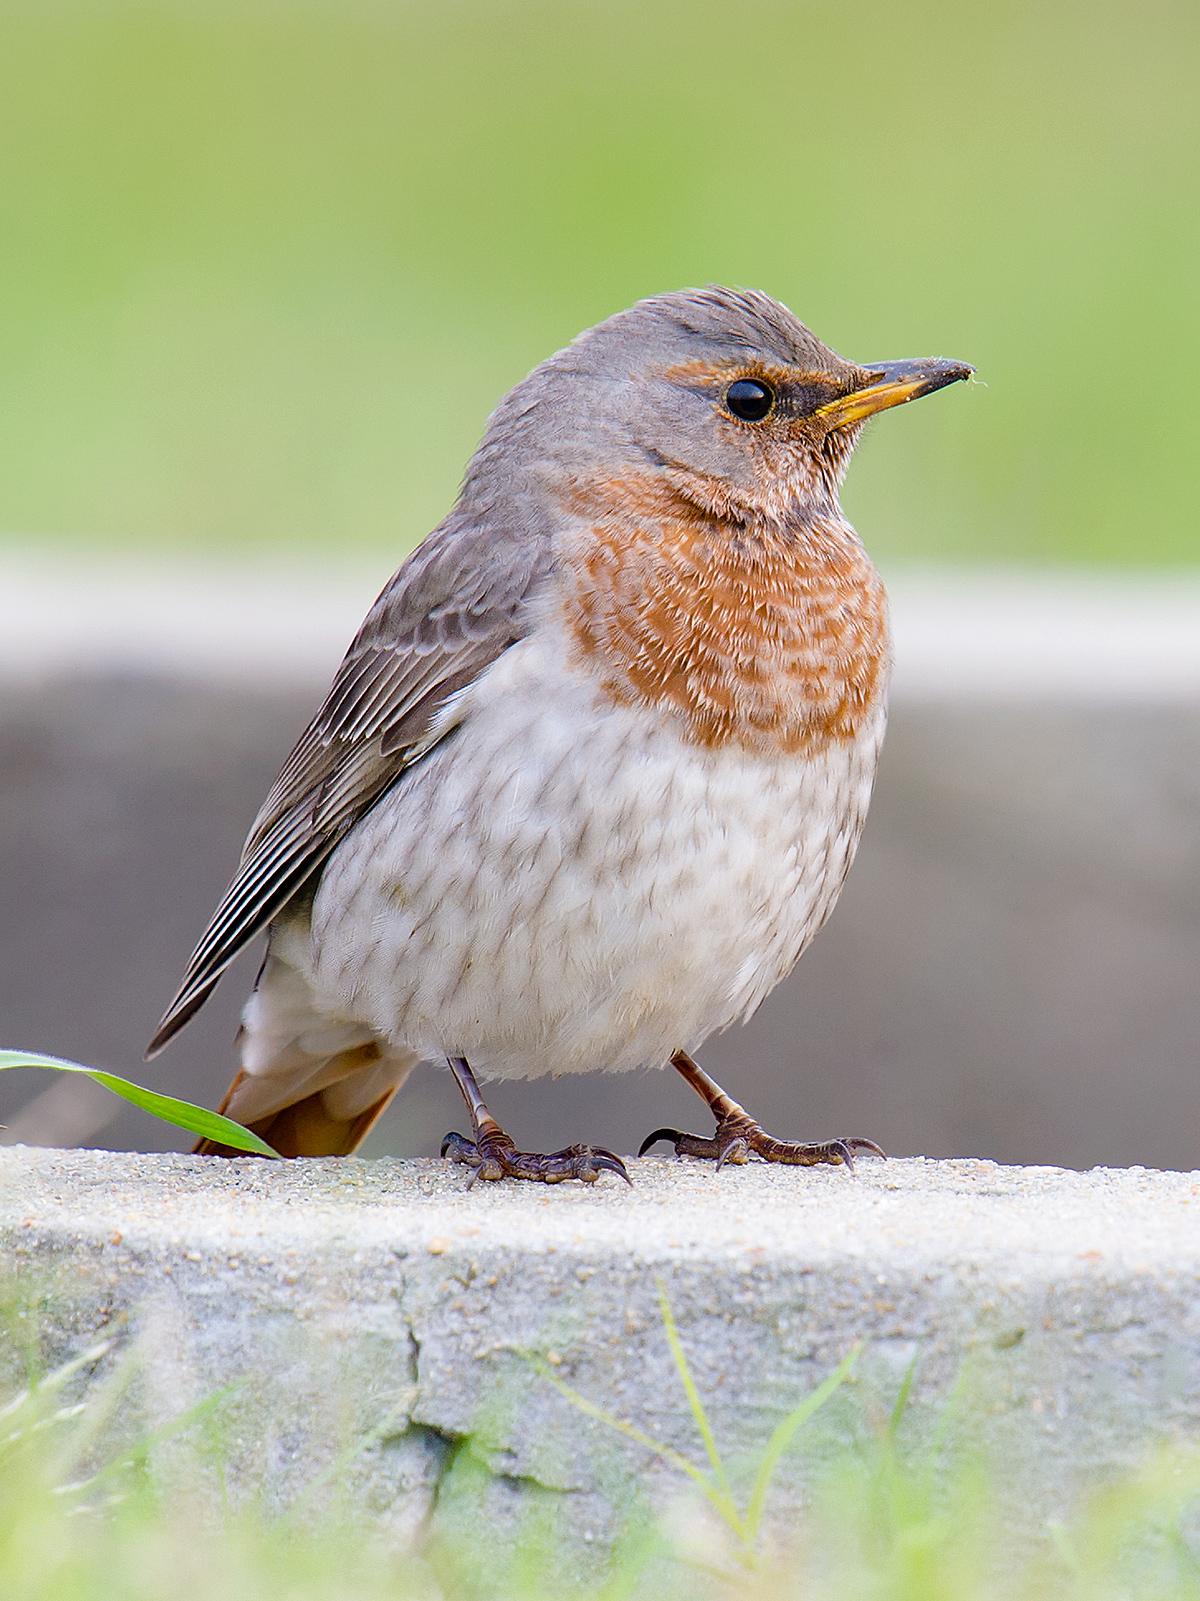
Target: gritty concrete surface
x=383 y=1301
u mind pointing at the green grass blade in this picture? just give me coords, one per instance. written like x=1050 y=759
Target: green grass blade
x=137 y=1453
x=391 y=1424
x=28 y=1407
x=781 y=1439
x=949 y=1414
x=1061 y=1539
x=901 y=1405
x=666 y=1452
x=731 y=1514
x=196 y=1119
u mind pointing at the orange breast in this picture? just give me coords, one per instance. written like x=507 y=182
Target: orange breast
x=767 y=633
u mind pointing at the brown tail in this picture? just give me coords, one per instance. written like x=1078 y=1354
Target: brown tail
x=305 y=1128
x=313 y=1082
x=328 y=1122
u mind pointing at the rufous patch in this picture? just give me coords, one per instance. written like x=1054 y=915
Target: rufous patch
x=766 y=632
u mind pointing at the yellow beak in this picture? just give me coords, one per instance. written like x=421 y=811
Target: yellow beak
x=891 y=383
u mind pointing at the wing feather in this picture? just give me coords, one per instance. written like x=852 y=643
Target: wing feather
x=459 y=601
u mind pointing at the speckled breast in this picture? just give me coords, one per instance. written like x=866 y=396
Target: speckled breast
x=769 y=633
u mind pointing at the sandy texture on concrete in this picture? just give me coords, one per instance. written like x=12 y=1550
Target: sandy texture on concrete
x=383 y=1299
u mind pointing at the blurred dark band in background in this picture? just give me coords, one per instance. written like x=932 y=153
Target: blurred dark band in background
x=1010 y=973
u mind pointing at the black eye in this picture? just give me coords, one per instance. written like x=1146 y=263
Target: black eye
x=749 y=400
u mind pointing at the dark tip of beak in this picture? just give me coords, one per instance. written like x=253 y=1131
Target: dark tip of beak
x=890 y=383
x=928 y=374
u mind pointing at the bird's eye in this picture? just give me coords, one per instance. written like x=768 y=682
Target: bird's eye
x=749 y=399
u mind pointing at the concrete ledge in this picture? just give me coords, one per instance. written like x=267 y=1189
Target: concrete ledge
x=382 y=1299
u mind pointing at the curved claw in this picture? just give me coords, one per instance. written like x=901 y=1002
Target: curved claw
x=608 y=1162
x=736 y=1151
x=459 y=1148
x=866 y=1145
x=672 y=1134
x=841 y=1150
x=844 y=1151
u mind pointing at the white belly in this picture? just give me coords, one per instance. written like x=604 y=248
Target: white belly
x=564 y=886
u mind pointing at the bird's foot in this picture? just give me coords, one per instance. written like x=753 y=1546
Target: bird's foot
x=494 y=1156
x=738 y=1137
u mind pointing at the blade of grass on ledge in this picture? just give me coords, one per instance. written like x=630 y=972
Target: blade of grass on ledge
x=196 y=1119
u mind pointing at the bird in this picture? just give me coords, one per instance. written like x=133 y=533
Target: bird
x=592 y=773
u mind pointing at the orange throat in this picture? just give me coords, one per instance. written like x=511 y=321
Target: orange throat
x=766 y=633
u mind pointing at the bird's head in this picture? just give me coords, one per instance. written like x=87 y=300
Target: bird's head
x=722 y=390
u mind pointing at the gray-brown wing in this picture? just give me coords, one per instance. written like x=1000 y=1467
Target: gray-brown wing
x=455 y=605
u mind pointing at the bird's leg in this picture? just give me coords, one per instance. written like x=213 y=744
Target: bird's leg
x=493 y=1155
x=738 y=1136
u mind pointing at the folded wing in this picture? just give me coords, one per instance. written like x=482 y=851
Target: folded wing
x=455 y=605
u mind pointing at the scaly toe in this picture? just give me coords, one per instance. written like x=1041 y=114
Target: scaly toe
x=582 y=1162
x=737 y=1140
x=493 y=1159
x=485 y=1163
x=833 y=1153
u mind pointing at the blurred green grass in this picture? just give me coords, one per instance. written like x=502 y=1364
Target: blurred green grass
x=93 y=1507
x=266 y=265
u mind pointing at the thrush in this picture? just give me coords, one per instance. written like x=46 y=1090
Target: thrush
x=593 y=771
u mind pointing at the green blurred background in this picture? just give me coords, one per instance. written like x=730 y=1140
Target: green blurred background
x=266 y=265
